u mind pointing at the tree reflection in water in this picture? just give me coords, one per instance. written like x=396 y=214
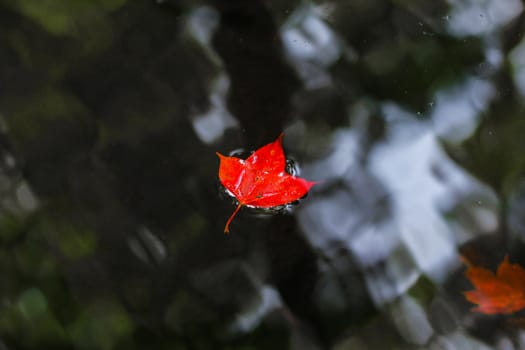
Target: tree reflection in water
x=410 y=114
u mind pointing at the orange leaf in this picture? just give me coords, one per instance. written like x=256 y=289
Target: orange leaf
x=261 y=181
x=500 y=293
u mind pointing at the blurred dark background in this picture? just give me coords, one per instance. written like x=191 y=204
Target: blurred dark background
x=410 y=113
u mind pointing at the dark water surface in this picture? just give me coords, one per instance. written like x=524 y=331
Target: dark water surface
x=409 y=113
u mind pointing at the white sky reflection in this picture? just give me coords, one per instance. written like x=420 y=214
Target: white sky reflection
x=478 y=17
x=457 y=109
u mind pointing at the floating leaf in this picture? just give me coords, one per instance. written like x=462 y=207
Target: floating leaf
x=261 y=180
x=500 y=293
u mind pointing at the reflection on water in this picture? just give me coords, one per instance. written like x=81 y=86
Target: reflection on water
x=517 y=58
x=458 y=109
x=409 y=115
x=481 y=17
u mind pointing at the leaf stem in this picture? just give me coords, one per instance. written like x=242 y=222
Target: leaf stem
x=227 y=227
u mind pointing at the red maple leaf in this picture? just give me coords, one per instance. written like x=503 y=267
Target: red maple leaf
x=261 y=180
x=500 y=293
